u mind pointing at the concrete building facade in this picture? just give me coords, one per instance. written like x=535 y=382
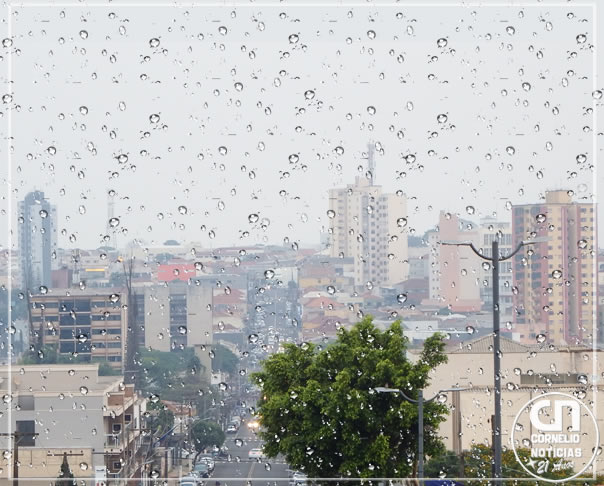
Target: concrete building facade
x=37 y=240
x=454 y=279
x=96 y=420
x=556 y=280
x=370 y=226
x=526 y=372
x=490 y=229
x=91 y=324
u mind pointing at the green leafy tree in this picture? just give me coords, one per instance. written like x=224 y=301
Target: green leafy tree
x=206 y=434
x=224 y=359
x=169 y=370
x=320 y=410
x=47 y=354
x=446 y=465
x=162 y=419
x=105 y=369
x=65 y=475
x=478 y=463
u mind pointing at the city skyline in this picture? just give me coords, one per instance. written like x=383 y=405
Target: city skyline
x=282 y=112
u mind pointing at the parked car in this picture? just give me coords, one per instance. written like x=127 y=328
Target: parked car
x=201 y=470
x=189 y=481
x=298 y=479
x=208 y=460
x=255 y=454
x=231 y=429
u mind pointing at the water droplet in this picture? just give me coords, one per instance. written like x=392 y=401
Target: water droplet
x=222 y=30
x=84 y=390
x=442 y=42
x=83 y=466
x=470 y=210
x=84 y=34
x=442 y=118
x=510 y=30
x=540 y=338
x=526 y=86
x=581 y=38
x=43 y=289
x=222 y=386
x=401 y=298
x=253 y=218
x=154 y=42
x=43 y=213
x=331 y=213
x=371 y=110
x=510 y=150
x=83 y=110
x=114 y=222
x=371 y=34
x=309 y=94
x=541 y=218
x=401 y=222
x=339 y=150
x=582 y=244
x=268 y=274
x=557 y=274
x=183 y=209
x=293 y=38
x=470 y=329
x=331 y=290
x=154 y=118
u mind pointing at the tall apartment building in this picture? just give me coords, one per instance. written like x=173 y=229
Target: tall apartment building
x=454 y=278
x=37 y=225
x=490 y=229
x=94 y=325
x=97 y=420
x=556 y=280
x=369 y=226
x=178 y=314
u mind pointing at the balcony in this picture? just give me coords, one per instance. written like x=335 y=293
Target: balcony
x=114 y=441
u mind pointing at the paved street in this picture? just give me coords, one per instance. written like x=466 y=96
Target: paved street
x=258 y=473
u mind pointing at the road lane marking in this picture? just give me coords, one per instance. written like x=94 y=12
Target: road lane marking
x=249 y=476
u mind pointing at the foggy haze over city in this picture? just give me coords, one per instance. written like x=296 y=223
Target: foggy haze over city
x=295 y=244
x=198 y=118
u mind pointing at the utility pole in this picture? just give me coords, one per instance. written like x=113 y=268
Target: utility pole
x=130 y=367
x=17 y=436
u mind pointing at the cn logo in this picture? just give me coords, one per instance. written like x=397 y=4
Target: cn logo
x=556 y=425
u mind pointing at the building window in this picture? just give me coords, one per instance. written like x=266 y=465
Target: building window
x=27 y=427
x=26 y=402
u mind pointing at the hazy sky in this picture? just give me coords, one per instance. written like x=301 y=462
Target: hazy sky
x=228 y=111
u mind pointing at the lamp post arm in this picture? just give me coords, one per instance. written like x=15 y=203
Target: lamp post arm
x=513 y=253
x=470 y=245
x=408 y=398
x=480 y=255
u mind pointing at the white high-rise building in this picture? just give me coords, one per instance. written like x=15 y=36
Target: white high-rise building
x=502 y=230
x=37 y=240
x=370 y=226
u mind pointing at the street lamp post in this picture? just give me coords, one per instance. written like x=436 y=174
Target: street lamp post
x=495 y=258
x=420 y=419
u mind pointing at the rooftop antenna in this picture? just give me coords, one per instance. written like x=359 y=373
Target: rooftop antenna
x=110 y=215
x=371 y=161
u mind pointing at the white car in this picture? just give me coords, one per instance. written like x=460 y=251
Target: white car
x=298 y=479
x=255 y=454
